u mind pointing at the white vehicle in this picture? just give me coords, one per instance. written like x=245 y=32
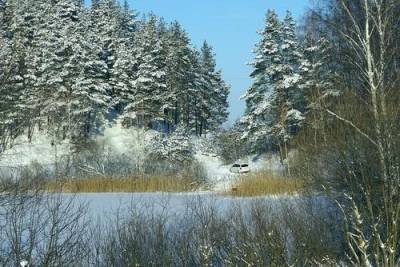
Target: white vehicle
x=240 y=167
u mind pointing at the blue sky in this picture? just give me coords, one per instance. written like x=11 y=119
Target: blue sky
x=230 y=26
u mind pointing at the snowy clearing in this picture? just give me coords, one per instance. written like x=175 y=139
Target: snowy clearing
x=221 y=179
x=130 y=143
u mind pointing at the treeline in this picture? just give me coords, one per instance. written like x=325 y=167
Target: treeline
x=69 y=70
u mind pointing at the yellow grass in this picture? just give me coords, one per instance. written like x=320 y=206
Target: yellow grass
x=263 y=184
x=122 y=185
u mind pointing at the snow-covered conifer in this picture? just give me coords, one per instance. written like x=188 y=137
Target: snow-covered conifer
x=275 y=101
x=260 y=113
x=288 y=101
x=179 y=76
x=150 y=80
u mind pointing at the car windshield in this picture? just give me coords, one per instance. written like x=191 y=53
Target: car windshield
x=245 y=166
x=236 y=165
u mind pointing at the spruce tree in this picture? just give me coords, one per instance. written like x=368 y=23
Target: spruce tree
x=74 y=76
x=288 y=99
x=261 y=97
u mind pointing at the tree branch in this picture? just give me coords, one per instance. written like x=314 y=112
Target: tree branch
x=352 y=125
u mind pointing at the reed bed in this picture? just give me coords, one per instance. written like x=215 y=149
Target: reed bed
x=264 y=184
x=123 y=185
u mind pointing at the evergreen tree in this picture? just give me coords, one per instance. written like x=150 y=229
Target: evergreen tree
x=288 y=99
x=220 y=96
x=316 y=81
x=173 y=149
x=213 y=92
x=124 y=75
x=74 y=76
x=179 y=76
x=275 y=102
x=22 y=27
x=150 y=82
x=260 y=97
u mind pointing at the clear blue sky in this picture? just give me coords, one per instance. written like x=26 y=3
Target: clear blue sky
x=230 y=26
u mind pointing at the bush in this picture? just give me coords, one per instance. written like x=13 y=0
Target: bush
x=287 y=233
x=174 y=149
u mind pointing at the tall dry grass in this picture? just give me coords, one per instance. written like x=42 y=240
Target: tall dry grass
x=263 y=184
x=123 y=185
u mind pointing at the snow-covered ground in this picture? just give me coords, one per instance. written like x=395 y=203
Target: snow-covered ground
x=115 y=140
x=40 y=150
x=220 y=177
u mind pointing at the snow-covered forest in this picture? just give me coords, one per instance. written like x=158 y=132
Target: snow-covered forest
x=69 y=70
x=107 y=110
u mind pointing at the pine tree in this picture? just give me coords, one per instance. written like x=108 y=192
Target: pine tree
x=220 y=96
x=213 y=93
x=260 y=98
x=124 y=69
x=124 y=75
x=105 y=31
x=194 y=93
x=76 y=95
x=127 y=24
x=179 y=76
x=150 y=82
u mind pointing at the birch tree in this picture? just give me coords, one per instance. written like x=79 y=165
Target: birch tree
x=372 y=233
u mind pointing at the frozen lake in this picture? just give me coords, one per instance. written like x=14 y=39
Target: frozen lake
x=107 y=205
